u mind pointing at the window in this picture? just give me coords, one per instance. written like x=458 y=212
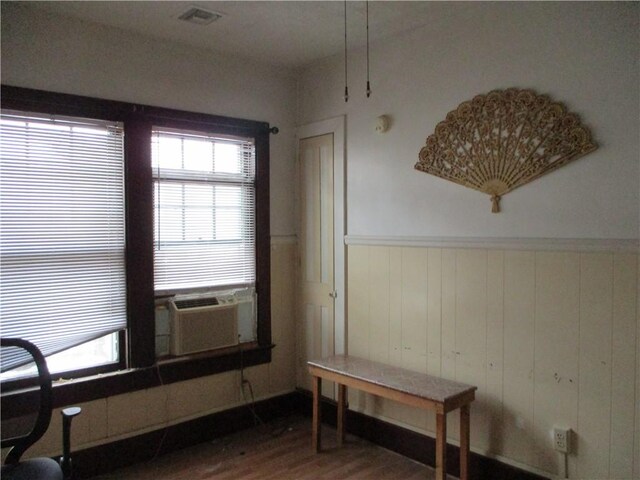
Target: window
x=204 y=221
x=62 y=235
x=89 y=202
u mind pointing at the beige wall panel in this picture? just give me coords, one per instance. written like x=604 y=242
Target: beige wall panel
x=202 y=395
x=358 y=304
x=358 y=313
x=495 y=339
x=434 y=311
x=448 y=325
x=623 y=365
x=225 y=386
x=395 y=306
x=282 y=373
x=594 y=410
x=557 y=311
x=434 y=319
x=379 y=304
x=471 y=334
x=289 y=295
x=471 y=316
x=519 y=301
x=414 y=321
x=379 y=315
x=50 y=444
x=136 y=411
x=414 y=309
x=260 y=381
x=277 y=287
x=448 y=328
x=90 y=426
x=282 y=370
x=517 y=319
x=391 y=409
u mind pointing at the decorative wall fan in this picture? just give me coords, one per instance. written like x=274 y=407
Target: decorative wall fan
x=502 y=140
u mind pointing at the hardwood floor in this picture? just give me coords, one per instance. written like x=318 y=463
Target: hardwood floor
x=280 y=450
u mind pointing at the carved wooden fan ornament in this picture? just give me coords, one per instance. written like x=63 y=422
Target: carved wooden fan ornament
x=502 y=140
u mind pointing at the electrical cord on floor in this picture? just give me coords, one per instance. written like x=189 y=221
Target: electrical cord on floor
x=257 y=421
x=251 y=403
x=166 y=409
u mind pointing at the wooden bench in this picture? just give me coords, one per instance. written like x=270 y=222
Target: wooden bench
x=411 y=388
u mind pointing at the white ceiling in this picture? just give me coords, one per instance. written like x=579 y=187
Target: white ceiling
x=284 y=33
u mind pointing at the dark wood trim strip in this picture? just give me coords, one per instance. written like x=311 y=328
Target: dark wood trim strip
x=414 y=445
x=263 y=238
x=28 y=99
x=111 y=456
x=18 y=403
x=139 y=246
x=108 y=457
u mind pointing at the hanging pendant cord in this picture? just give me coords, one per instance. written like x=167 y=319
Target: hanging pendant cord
x=346 y=78
x=368 y=84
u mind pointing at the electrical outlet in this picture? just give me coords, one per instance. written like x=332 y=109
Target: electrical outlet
x=561 y=438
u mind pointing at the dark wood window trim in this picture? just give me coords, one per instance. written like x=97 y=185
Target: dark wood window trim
x=143 y=369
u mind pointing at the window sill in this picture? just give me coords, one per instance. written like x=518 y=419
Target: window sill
x=166 y=371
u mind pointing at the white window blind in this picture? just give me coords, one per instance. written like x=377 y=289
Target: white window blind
x=204 y=204
x=62 y=237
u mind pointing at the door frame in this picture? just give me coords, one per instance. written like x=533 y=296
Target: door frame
x=336 y=126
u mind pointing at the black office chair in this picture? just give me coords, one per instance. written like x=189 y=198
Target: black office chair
x=37 y=468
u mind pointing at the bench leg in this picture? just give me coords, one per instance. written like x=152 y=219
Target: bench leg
x=342 y=410
x=441 y=446
x=317 y=415
x=464 y=442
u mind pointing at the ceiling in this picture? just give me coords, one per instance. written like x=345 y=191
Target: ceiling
x=285 y=33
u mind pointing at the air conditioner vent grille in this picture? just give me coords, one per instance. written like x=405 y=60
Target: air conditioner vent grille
x=200 y=16
x=195 y=302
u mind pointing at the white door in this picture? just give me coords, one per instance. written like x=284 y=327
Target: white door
x=316 y=230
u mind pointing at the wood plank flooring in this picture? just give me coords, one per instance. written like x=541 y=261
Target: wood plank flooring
x=280 y=450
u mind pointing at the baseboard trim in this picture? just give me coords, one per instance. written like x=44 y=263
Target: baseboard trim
x=415 y=445
x=108 y=457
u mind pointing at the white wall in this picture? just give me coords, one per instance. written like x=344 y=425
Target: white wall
x=48 y=52
x=582 y=54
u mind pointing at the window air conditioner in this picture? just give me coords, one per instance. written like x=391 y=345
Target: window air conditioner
x=202 y=324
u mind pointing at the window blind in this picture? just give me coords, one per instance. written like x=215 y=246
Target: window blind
x=62 y=235
x=204 y=204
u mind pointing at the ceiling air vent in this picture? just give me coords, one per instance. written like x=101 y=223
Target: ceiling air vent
x=199 y=15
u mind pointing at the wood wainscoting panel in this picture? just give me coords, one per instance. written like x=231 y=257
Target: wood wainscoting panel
x=594 y=403
x=550 y=336
x=623 y=393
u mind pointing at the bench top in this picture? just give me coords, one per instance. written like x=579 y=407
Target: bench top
x=406 y=381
